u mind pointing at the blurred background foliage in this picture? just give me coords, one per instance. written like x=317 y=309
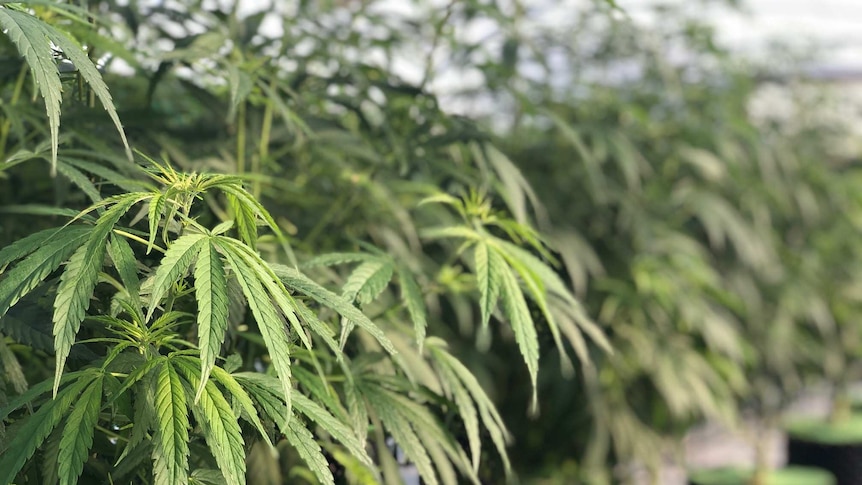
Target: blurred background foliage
x=714 y=242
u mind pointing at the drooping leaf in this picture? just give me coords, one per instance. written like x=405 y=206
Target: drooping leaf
x=11 y=367
x=80 y=278
x=78 y=434
x=412 y=297
x=37 y=427
x=211 y=294
x=266 y=385
x=91 y=75
x=367 y=281
x=33 y=38
x=171 y=437
x=297 y=281
x=220 y=426
x=403 y=433
x=364 y=284
x=516 y=311
x=489 y=266
x=303 y=441
x=45 y=255
x=241 y=396
x=124 y=260
x=175 y=262
x=28 y=34
x=270 y=323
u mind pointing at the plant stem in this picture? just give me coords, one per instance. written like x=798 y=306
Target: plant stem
x=7 y=123
x=240 y=140
x=263 y=149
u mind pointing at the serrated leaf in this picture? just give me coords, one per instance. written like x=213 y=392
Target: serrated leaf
x=404 y=435
x=212 y=298
x=489 y=265
x=333 y=259
x=244 y=220
x=297 y=281
x=35 y=241
x=31 y=36
x=269 y=321
x=364 y=284
x=91 y=75
x=79 y=180
x=242 y=397
x=304 y=443
x=220 y=426
x=126 y=264
x=516 y=311
x=240 y=87
x=174 y=264
x=154 y=216
x=79 y=280
x=11 y=367
x=367 y=281
x=171 y=437
x=491 y=418
x=358 y=411
x=78 y=433
x=40 y=263
x=467 y=412
x=265 y=384
x=37 y=427
x=411 y=296
x=28 y=34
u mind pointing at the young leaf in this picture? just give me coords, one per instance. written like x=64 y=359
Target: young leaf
x=171 y=437
x=78 y=434
x=211 y=294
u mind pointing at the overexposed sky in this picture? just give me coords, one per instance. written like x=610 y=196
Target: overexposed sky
x=835 y=26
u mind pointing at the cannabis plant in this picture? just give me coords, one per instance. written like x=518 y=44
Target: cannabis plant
x=271 y=296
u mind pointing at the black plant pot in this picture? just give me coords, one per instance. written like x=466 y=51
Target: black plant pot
x=836 y=447
x=793 y=475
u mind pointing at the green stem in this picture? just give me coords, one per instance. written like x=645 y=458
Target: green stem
x=263 y=149
x=7 y=123
x=240 y=140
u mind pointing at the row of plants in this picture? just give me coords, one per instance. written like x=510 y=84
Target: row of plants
x=308 y=270
x=717 y=246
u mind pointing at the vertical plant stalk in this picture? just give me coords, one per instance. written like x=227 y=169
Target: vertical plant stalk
x=7 y=123
x=263 y=149
x=240 y=140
